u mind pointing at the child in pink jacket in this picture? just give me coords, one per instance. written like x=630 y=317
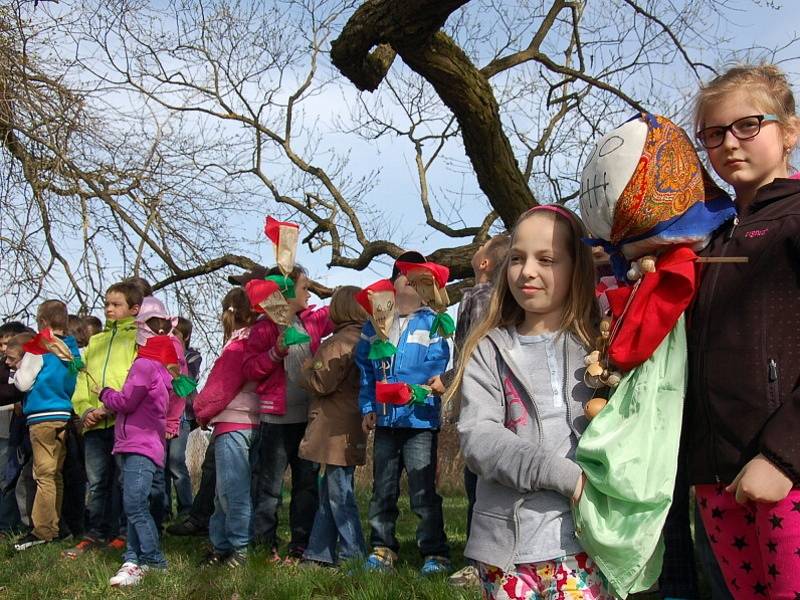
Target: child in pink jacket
x=275 y=369
x=230 y=403
x=139 y=443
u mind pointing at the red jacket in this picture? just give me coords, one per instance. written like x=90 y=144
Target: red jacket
x=744 y=344
x=264 y=364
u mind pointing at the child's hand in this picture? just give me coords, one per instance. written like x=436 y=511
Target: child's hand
x=171 y=436
x=91 y=419
x=576 y=495
x=760 y=481
x=368 y=422
x=437 y=387
x=280 y=345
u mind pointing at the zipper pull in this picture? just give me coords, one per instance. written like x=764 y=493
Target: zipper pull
x=732 y=230
x=773 y=370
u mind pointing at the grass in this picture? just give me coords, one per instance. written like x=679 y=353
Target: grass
x=40 y=572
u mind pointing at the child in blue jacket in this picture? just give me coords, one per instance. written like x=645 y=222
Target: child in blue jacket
x=405 y=435
x=49 y=383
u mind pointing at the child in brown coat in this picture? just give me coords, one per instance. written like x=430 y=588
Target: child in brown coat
x=334 y=437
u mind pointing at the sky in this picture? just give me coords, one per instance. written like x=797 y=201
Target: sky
x=772 y=24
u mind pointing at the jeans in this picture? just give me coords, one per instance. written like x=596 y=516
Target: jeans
x=24 y=493
x=278 y=446
x=138 y=473
x=415 y=451
x=337 y=518
x=9 y=513
x=176 y=473
x=203 y=504
x=104 y=515
x=48 y=441
x=231 y=524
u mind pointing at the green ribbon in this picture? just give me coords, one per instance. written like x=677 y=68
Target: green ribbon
x=292 y=337
x=444 y=324
x=381 y=349
x=286 y=285
x=183 y=385
x=418 y=394
x=75 y=365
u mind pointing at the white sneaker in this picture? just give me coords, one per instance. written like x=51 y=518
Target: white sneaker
x=129 y=574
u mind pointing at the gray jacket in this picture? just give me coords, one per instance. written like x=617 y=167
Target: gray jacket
x=522 y=446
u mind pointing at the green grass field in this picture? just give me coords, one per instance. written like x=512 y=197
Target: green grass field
x=40 y=573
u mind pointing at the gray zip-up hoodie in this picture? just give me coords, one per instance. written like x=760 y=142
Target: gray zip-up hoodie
x=520 y=437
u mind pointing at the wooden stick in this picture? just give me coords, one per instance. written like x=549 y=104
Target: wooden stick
x=722 y=259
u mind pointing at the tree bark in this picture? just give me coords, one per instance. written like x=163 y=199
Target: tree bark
x=411 y=29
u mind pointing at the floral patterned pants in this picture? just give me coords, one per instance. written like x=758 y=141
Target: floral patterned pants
x=568 y=578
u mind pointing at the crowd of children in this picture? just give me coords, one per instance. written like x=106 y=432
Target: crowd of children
x=93 y=441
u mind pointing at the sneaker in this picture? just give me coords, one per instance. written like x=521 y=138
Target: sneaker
x=129 y=574
x=466 y=577
x=236 y=559
x=436 y=565
x=82 y=547
x=381 y=559
x=28 y=541
x=187 y=527
x=119 y=544
x=212 y=559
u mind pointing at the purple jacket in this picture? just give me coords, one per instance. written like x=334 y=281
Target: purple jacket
x=141 y=409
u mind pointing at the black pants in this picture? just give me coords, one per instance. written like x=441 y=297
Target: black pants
x=277 y=449
x=203 y=503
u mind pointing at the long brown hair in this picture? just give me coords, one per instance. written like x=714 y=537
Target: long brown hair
x=236 y=312
x=581 y=315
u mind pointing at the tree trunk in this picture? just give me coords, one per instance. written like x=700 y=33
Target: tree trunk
x=411 y=29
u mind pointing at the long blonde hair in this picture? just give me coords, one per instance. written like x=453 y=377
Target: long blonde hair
x=581 y=315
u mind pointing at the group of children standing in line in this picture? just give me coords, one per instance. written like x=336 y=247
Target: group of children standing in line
x=517 y=386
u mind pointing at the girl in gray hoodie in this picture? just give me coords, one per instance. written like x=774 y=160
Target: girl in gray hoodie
x=522 y=391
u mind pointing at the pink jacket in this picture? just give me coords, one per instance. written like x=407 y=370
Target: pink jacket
x=141 y=409
x=264 y=364
x=227 y=396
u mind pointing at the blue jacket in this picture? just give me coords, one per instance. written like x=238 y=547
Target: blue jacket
x=49 y=395
x=419 y=357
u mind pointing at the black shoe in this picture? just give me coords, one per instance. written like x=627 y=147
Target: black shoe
x=28 y=541
x=186 y=527
x=212 y=559
x=236 y=559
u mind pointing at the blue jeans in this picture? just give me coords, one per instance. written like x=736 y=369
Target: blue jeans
x=414 y=450
x=9 y=513
x=144 y=545
x=278 y=446
x=230 y=527
x=337 y=518
x=104 y=515
x=176 y=472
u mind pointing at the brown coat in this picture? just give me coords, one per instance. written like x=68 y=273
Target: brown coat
x=333 y=435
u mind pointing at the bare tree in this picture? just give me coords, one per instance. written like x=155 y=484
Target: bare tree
x=138 y=137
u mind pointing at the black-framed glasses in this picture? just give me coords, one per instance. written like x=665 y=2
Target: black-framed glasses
x=745 y=128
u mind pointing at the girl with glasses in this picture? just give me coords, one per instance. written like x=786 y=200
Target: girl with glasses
x=743 y=398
